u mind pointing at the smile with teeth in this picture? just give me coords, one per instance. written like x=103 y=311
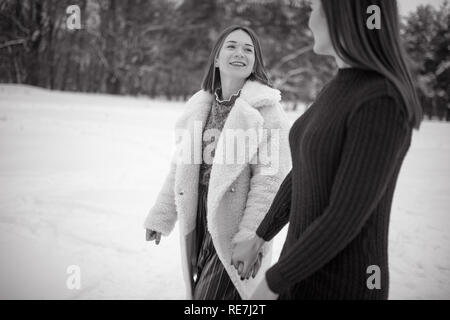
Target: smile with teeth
x=238 y=63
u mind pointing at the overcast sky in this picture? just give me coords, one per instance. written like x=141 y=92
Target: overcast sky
x=407 y=6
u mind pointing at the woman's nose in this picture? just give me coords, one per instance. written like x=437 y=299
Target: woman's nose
x=238 y=53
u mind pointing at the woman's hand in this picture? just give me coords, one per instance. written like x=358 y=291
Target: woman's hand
x=246 y=257
x=151 y=235
x=263 y=292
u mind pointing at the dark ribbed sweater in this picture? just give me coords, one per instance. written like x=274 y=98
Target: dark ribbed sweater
x=347 y=150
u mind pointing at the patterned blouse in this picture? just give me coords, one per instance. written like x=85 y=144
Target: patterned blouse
x=218 y=114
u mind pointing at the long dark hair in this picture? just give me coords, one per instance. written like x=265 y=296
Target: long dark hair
x=379 y=50
x=211 y=79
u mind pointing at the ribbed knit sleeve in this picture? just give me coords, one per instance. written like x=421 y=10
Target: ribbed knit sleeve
x=375 y=135
x=278 y=214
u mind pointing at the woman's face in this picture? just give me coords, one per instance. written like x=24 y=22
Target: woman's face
x=319 y=27
x=237 y=56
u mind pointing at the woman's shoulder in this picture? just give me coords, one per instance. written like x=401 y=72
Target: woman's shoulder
x=376 y=86
x=382 y=94
x=267 y=101
x=260 y=95
x=199 y=97
x=196 y=103
x=272 y=111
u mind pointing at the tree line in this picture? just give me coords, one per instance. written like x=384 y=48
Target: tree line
x=159 y=48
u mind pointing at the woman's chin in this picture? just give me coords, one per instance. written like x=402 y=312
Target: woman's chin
x=322 y=50
x=318 y=51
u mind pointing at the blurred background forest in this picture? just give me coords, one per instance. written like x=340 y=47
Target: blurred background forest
x=159 y=48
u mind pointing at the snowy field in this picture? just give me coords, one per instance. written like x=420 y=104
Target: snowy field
x=79 y=172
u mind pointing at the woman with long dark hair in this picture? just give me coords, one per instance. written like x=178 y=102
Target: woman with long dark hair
x=236 y=128
x=347 y=150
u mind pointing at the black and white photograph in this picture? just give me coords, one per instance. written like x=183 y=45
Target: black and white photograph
x=225 y=150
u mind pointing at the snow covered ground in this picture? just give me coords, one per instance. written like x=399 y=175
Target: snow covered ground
x=79 y=172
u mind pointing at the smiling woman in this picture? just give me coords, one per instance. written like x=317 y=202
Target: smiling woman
x=235 y=44
x=235 y=62
x=347 y=151
x=220 y=204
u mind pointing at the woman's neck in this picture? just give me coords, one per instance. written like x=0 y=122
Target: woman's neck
x=230 y=87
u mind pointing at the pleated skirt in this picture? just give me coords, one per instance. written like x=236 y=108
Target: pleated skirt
x=212 y=281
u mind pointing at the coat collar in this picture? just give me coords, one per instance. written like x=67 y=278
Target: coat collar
x=253 y=93
x=243 y=116
x=258 y=95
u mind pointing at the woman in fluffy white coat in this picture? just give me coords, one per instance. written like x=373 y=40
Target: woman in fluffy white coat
x=231 y=159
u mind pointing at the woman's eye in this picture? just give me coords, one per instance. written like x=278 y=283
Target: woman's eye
x=230 y=46
x=249 y=50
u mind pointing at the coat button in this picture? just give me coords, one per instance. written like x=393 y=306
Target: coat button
x=181 y=193
x=232 y=189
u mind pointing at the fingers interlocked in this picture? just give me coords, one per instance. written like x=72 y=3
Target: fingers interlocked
x=247 y=259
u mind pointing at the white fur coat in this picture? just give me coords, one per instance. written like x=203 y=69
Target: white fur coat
x=239 y=193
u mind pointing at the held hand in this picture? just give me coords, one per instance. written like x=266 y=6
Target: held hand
x=245 y=257
x=254 y=271
x=151 y=235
